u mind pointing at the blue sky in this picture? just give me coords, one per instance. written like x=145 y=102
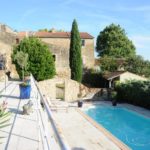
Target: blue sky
x=92 y=16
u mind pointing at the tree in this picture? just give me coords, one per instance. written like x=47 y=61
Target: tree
x=40 y=60
x=21 y=59
x=108 y=64
x=43 y=30
x=75 y=53
x=138 y=65
x=112 y=41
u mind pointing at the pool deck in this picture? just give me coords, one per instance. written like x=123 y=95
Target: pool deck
x=81 y=134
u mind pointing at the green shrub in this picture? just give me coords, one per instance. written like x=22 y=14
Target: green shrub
x=94 y=79
x=134 y=92
x=113 y=94
x=40 y=60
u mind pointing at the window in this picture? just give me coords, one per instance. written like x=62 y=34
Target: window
x=17 y=41
x=1 y=66
x=54 y=57
x=83 y=42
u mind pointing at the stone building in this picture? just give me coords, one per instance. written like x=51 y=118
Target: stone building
x=121 y=76
x=7 y=40
x=59 y=44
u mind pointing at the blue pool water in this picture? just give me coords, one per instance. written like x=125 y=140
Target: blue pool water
x=128 y=126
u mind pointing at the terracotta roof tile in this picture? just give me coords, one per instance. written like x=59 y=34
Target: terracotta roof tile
x=83 y=35
x=22 y=34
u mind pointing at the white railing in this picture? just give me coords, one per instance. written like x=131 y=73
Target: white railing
x=47 y=121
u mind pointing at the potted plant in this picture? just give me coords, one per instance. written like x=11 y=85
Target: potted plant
x=27 y=79
x=113 y=97
x=80 y=103
x=22 y=60
x=25 y=88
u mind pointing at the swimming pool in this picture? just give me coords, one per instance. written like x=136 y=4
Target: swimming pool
x=128 y=126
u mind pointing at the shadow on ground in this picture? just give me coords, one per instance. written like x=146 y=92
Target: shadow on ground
x=78 y=148
x=15 y=111
x=9 y=96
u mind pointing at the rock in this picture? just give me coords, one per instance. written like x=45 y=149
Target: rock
x=3 y=76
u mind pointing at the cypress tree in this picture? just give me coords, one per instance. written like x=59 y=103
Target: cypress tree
x=75 y=53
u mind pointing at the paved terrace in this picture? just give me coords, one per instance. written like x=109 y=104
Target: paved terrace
x=24 y=133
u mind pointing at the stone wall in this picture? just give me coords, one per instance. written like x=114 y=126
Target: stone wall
x=130 y=76
x=3 y=77
x=60 y=48
x=61 y=55
x=88 y=53
x=7 y=41
x=73 y=90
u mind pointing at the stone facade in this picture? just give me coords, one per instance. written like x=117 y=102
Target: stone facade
x=7 y=41
x=61 y=56
x=131 y=76
x=87 y=50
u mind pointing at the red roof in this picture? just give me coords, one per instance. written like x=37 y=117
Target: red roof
x=83 y=35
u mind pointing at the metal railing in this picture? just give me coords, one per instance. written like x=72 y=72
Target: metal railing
x=43 y=124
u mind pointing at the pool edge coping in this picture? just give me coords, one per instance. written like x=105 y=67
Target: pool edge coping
x=108 y=134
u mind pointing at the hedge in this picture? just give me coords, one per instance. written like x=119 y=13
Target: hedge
x=134 y=92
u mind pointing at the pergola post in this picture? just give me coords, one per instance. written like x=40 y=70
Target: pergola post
x=110 y=83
